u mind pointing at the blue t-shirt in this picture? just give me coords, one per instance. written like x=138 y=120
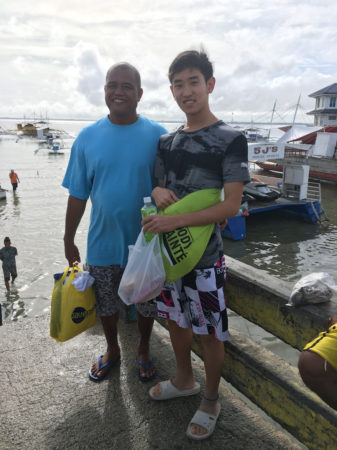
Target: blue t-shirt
x=113 y=164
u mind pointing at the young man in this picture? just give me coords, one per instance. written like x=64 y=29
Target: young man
x=318 y=364
x=112 y=161
x=7 y=256
x=203 y=154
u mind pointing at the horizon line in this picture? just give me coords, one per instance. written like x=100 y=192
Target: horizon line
x=157 y=120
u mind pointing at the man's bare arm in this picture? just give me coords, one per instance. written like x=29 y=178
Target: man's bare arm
x=75 y=211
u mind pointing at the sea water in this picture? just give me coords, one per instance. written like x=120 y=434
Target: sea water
x=34 y=220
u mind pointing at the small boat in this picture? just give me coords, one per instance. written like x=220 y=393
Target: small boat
x=255 y=134
x=53 y=146
x=260 y=191
x=2 y=193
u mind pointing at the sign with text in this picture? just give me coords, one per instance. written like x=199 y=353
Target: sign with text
x=262 y=152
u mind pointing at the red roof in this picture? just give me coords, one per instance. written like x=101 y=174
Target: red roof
x=311 y=137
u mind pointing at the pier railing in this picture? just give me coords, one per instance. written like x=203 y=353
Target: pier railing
x=266 y=379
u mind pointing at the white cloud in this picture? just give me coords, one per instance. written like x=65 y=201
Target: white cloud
x=55 y=55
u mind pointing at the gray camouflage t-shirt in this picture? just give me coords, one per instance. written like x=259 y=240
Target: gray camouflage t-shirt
x=203 y=159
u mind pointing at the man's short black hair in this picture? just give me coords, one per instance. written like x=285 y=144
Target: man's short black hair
x=7 y=239
x=191 y=59
x=125 y=65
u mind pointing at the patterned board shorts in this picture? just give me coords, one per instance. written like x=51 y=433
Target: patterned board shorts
x=108 y=302
x=8 y=272
x=197 y=301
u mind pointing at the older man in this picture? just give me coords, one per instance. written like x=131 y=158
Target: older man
x=112 y=162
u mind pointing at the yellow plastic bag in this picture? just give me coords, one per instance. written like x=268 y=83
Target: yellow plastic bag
x=72 y=311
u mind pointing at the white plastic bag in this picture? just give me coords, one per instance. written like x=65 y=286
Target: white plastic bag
x=317 y=287
x=83 y=280
x=144 y=274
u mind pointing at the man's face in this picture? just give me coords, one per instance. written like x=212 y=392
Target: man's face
x=122 y=94
x=7 y=243
x=190 y=90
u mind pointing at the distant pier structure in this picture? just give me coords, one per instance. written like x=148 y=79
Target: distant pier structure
x=325 y=112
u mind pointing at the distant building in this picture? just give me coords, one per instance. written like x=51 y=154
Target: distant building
x=325 y=111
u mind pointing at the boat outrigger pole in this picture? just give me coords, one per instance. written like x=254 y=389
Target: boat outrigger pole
x=271 y=120
x=297 y=105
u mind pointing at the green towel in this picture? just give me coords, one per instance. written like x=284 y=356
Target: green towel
x=183 y=248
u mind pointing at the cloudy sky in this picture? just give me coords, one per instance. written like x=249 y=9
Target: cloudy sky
x=54 y=54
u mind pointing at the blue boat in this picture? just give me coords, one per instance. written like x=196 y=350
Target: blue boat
x=298 y=198
x=307 y=211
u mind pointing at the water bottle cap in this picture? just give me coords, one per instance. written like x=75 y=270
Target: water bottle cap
x=147 y=200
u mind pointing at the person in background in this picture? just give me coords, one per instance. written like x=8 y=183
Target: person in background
x=7 y=256
x=112 y=162
x=204 y=153
x=14 y=179
x=317 y=364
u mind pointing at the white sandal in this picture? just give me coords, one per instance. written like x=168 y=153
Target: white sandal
x=168 y=391
x=204 y=420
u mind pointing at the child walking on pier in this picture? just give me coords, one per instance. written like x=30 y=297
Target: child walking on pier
x=203 y=154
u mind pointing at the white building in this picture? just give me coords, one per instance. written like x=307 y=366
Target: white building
x=325 y=111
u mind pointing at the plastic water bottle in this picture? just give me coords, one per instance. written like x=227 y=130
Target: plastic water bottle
x=149 y=209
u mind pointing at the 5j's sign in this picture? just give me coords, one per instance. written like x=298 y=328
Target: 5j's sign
x=262 y=152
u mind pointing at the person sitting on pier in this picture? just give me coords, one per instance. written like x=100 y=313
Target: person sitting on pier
x=318 y=364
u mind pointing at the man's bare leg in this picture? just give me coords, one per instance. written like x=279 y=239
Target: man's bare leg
x=111 y=335
x=145 y=325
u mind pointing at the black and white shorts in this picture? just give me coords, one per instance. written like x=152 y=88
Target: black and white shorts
x=197 y=301
x=108 y=302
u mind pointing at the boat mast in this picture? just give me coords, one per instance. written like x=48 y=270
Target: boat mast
x=271 y=120
x=298 y=102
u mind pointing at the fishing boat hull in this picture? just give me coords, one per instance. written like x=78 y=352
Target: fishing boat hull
x=320 y=169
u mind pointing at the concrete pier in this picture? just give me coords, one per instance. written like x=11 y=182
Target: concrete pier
x=48 y=401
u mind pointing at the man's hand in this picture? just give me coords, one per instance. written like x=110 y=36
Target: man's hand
x=71 y=253
x=163 y=197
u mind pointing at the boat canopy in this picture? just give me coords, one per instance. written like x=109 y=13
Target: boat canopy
x=296 y=132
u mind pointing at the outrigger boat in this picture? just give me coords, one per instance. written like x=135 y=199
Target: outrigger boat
x=2 y=193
